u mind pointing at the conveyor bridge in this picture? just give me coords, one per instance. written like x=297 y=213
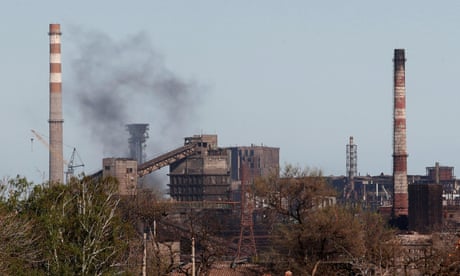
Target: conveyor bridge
x=166 y=159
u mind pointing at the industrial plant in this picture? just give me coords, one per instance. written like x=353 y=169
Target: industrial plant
x=204 y=175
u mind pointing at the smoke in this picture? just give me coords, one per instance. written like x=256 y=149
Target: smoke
x=116 y=82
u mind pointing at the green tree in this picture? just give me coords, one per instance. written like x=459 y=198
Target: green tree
x=19 y=253
x=81 y=227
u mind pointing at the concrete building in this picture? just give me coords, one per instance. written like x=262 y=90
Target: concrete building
x=204 y=175
x=125 y=170
x=259 y=160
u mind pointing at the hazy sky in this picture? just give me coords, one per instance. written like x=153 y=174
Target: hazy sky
x=299 y=75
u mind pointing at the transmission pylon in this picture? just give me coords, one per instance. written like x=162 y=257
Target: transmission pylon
x=246 y=242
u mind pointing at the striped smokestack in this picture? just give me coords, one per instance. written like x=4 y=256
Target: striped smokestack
x=400 y=194
x=56 y=165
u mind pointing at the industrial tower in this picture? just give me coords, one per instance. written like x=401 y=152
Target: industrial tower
x=246 y=241
x=352 y=165
x=137 y=140
x=400 y=191
x=56 y=160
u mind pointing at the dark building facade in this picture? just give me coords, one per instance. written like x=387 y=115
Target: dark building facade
x=425 y=207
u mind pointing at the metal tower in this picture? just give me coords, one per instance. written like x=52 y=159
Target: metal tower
x=246 y=242
x=352 y=164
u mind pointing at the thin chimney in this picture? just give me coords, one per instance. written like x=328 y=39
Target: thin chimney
x=56 y=164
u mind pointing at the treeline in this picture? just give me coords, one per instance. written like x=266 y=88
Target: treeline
x=84 y=228
x=314 y=236
x=73 y=229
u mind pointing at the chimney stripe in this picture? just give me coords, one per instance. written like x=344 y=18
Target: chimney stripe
x=55 y=58
x=56 y=78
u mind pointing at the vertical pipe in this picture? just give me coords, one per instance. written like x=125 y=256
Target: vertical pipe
x=400 y=197
x=56 y=164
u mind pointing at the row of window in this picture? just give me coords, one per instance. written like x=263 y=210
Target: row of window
x=186 y=190
x=199 y=180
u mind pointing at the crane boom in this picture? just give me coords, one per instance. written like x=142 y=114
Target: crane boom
x=70 y=164
x=41 y=139
x=45 y=143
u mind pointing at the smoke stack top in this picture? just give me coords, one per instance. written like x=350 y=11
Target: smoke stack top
x=399 y=56
x=55 y=29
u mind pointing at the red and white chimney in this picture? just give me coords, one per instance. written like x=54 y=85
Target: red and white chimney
x=56 y=164
x=400 y=190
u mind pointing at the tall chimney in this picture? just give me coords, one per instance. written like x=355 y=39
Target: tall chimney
x=56 y=164
x=400 y=194
x=352 y=165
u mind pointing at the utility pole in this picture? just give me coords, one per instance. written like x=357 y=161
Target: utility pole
x=144 y=260
x=193 y=256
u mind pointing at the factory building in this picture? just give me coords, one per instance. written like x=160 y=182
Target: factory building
x=203 y=176
x=125 y=171
x=212 y=173
x=444 y=175
x=259 y=161
x=425 y=207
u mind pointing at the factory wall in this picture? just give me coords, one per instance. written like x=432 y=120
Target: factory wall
x=260 y=161
x=425 y=207
x=123 y=169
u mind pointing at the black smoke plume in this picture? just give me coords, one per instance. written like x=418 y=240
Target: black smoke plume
x=116 y=82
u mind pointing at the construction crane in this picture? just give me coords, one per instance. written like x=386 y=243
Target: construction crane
x=70 y=164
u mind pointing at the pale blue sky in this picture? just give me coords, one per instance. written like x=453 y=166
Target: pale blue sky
x=299 y=75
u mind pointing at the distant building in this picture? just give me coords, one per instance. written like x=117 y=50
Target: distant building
x=213 y=173
x=260 y=161
x=425 y=207
x=125 y=170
